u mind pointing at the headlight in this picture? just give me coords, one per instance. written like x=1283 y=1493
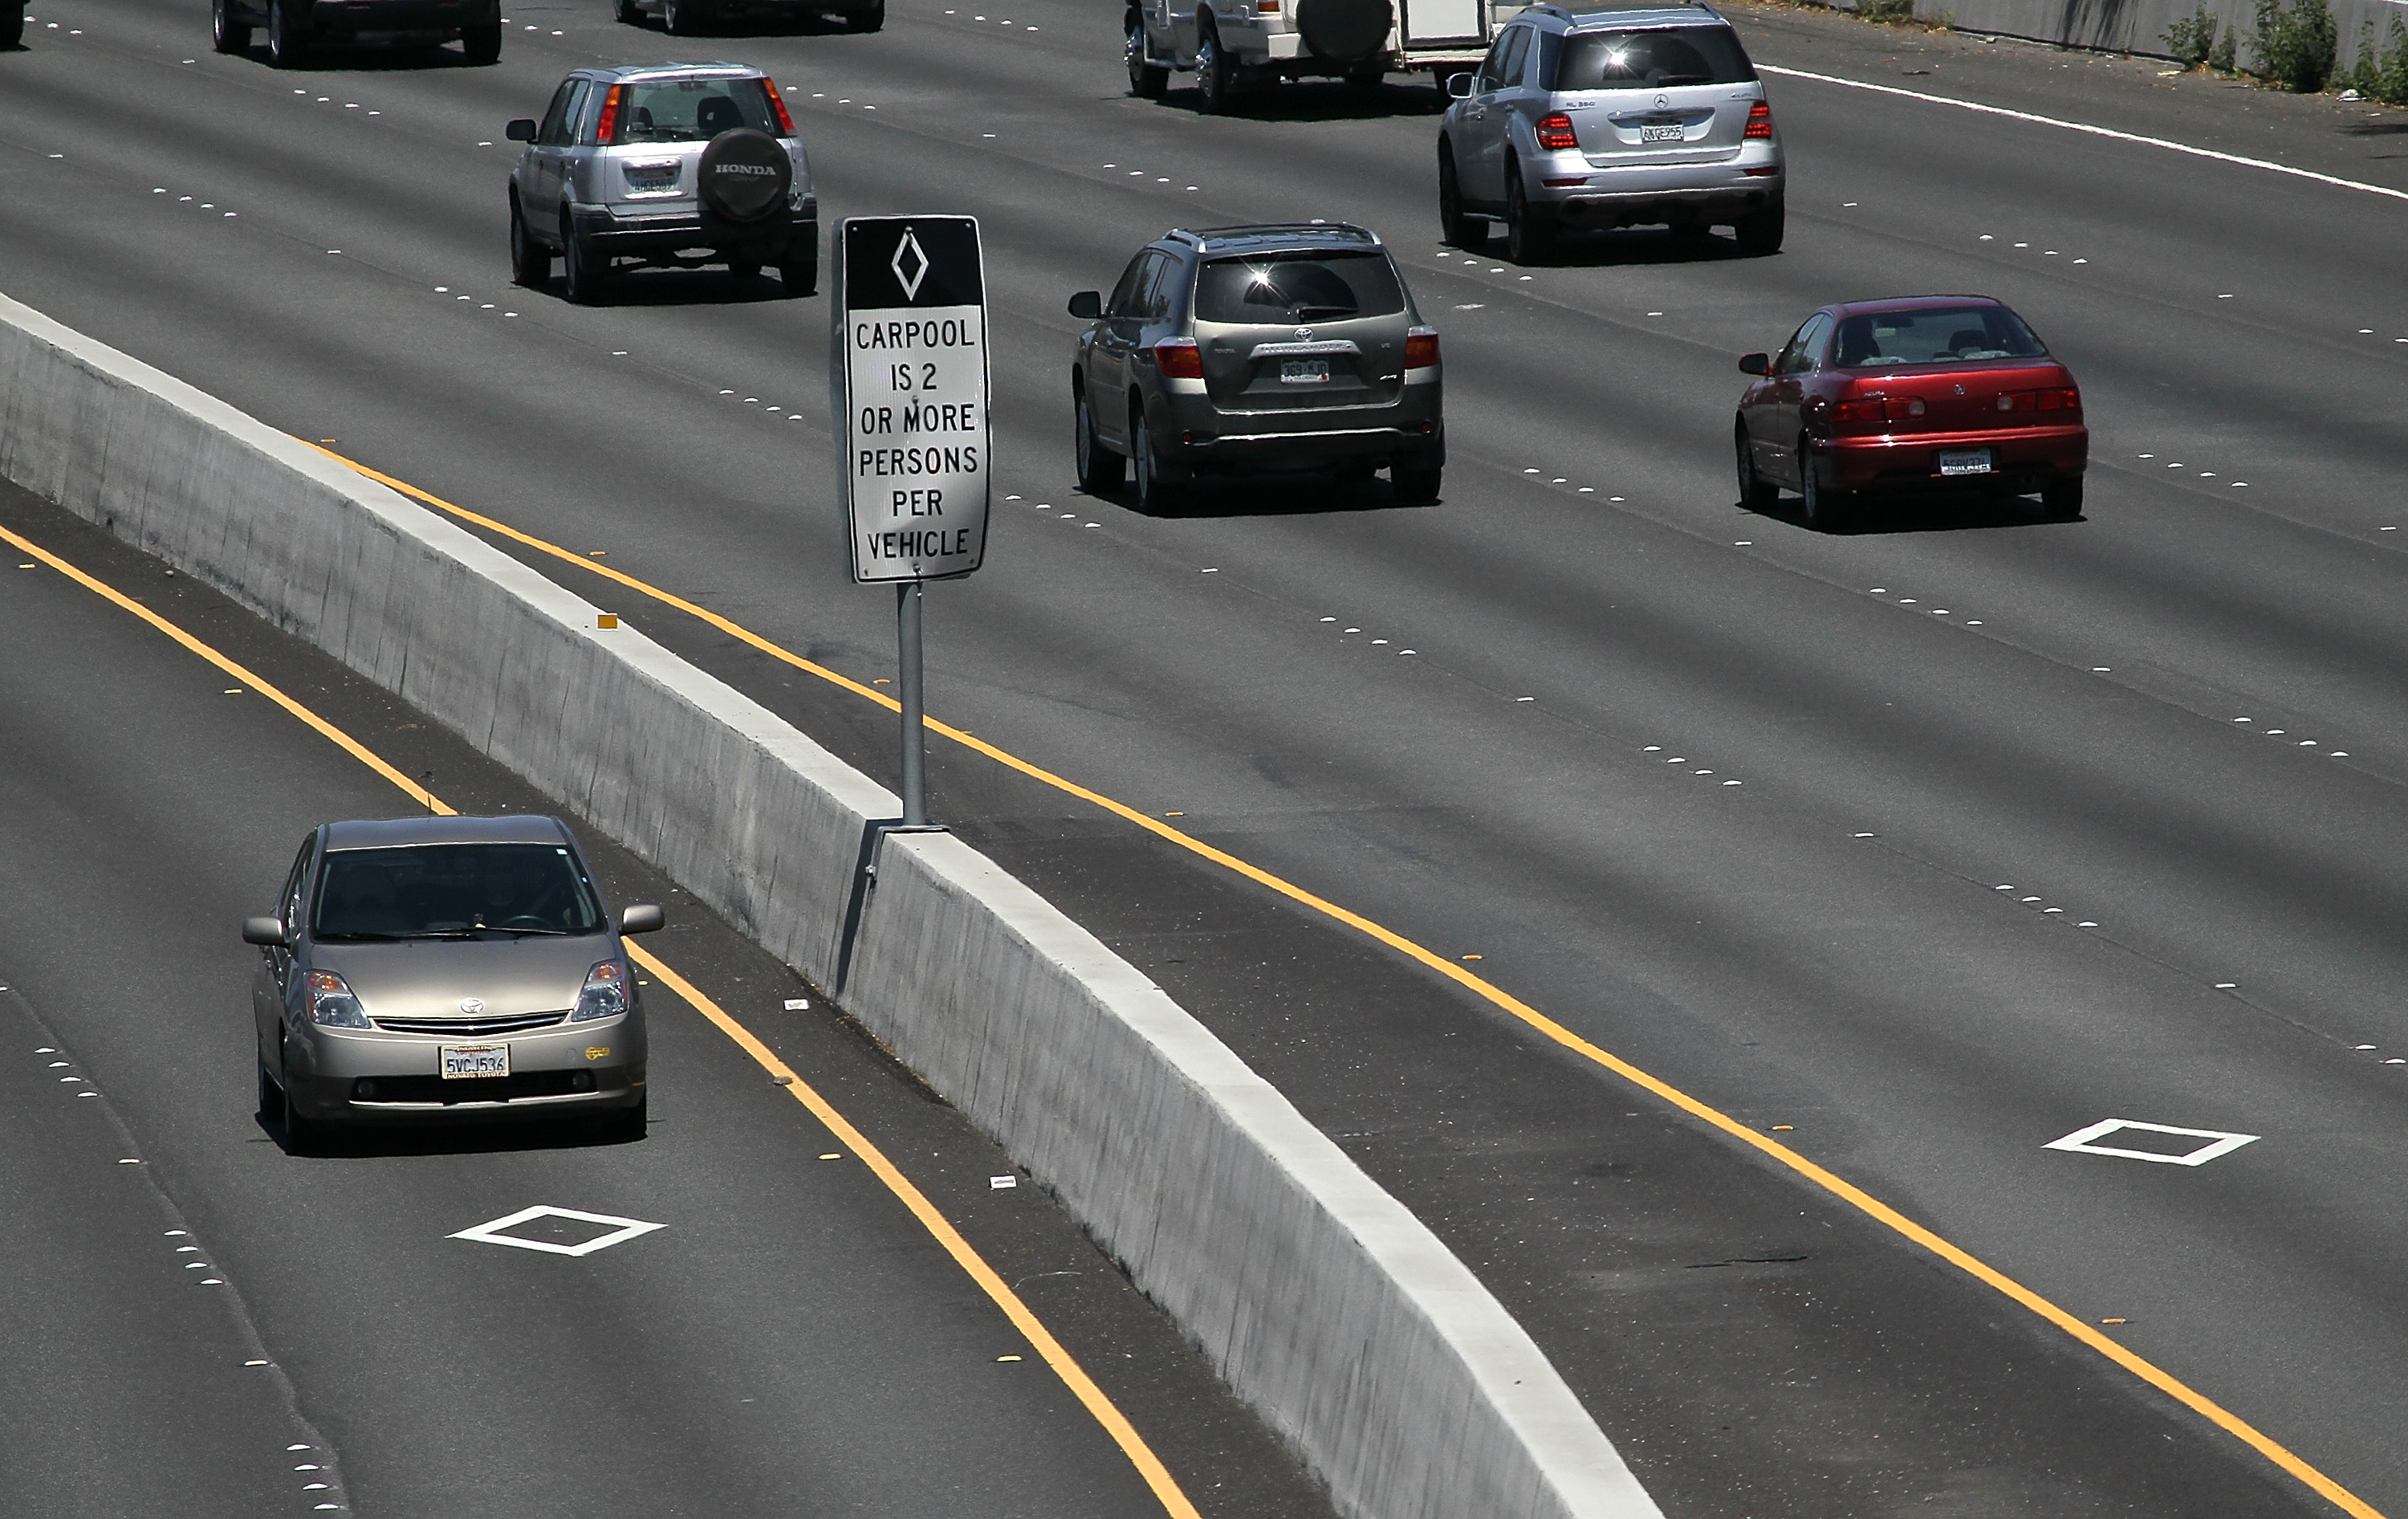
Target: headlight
x=332 y=1004
x=605 y=995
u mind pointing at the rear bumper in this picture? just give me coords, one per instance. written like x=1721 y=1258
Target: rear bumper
x=1647 y=195
x=1201 y=439
x=665 y=239
x=2021 y=459
x=443 y=20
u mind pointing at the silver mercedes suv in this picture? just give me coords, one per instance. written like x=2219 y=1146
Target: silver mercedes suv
x=1599 y=114
x=1257 y=349
x=454 y=967
x=667 y=165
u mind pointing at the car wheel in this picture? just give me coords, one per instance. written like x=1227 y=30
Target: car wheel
x=680 y=18
x=627 y=1124
x=271 y=1098
x=1099 y=468
x=481 y=45
x=1756 y=493
x=12 y=27
x=1455 y=228
x=871 y=20
x=2062 y=498
x=1826 y=511
x=1415 y=487
x=226 y=35
x=1211 y=73
x=586 y=274
x=801 y=277
x=1147 y=80
x=626 y=13
x=1155 y=496
x=530 y=261
x=288 y=37
x=1529 y=232
x=1759 y=232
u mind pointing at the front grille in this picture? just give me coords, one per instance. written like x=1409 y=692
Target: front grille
x=472 y=1028
x=533 y=1083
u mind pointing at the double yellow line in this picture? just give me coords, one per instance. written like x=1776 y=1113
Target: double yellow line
x=1845 y=1191
x=1124 y=1434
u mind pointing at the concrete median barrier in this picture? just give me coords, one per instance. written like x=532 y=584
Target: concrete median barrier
x=1395 y=1375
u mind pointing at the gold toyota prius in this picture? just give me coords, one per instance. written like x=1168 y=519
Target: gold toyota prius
x=446 y=968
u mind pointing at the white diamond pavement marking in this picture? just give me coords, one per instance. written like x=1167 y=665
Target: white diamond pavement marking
x=2080 y=1142
x=491 y=1233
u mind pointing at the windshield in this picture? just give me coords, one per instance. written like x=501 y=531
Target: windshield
x=693 y=111
x=1892 y=339
x=1651 y=60
x=1315 y=286
x=454 y=891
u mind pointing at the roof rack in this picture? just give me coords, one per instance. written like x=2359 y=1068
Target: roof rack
x=1274 y=232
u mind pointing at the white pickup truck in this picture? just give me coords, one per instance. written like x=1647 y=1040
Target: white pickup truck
x=1230 y=43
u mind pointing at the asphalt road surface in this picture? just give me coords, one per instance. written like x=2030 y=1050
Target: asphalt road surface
x=2038 y=825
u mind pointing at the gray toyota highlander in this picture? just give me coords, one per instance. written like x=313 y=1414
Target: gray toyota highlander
x=431 y=968
x=1257 y=349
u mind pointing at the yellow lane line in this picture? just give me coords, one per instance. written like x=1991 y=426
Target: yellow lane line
x=1847 y=1191
x=1115 y=1423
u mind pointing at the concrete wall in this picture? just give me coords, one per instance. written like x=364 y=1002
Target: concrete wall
x=2137 y=26
x=1395 y=1375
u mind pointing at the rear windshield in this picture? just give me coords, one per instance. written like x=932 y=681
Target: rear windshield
x=1298 y=287
x=1889 y=339
x=455 y=891
x=693 y=110
x=1650 y=60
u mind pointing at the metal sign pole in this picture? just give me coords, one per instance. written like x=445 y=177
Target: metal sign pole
x=909 y=384
x=915 y=732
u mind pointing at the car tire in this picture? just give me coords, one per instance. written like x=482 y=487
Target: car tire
x=626 y=13
x=2061 y=498
x=1824 y=509
x=482 y=46
x=1756 y=493
x=304 y=1134
x=1155 y=496
x=1212 y=73
x=271 y=1098
x=1147 y=80
x=288 y=36
x=627 y=1124
x=801 y=277
x=1529 y=232
x=1100 y=468
x=872 y=20
x=1455 y=228
x=12 y=27
x=680 y=18
x=587 y=276
x=1416 y=487
x=530 y=261
x=1759 y=232
x=226 y=35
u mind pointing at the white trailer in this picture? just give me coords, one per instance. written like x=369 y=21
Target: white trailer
x=1230 y=43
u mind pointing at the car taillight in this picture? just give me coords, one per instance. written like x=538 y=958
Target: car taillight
x=1555 y=133
x=2063 y=399
x=1863 y=409
x=1267 y=8
x=605 y=131
x=1421 y=348
x=1179 y=359
x=778 y=109
x=603 y=994
x=1759 y=120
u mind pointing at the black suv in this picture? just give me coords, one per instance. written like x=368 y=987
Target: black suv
x=1257 y=349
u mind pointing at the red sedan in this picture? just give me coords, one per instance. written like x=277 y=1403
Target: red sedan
x=1929 y=393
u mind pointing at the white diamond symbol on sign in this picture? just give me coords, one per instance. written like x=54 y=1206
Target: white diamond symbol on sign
x=909 y=249
x=616 y=1231
x=2085 y=1141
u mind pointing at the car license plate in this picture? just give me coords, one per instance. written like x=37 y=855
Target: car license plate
x=1964 y=461
x=1672 y=132
x=1304 y=371
x=468 y=1060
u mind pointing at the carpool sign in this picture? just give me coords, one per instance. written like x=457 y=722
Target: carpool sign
x=910 y=388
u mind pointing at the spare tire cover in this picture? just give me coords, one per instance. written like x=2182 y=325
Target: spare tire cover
x=1345 y=31
x=744 y=174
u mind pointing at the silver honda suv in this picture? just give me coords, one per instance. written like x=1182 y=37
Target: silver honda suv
x=1257 y=349
x=1606 y=115
x=667 y=165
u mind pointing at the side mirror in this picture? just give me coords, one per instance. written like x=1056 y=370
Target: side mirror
x=1756 y=364
x=1459 y=86
x=522 y=130
x=1087 y=305
x=645 y=918
x=266 y=931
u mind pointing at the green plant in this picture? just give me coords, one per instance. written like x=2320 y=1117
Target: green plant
x=2297 y=47
x=1885 y=11
x=2193 y=41
x=2222 y=60
x=2391 y=75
